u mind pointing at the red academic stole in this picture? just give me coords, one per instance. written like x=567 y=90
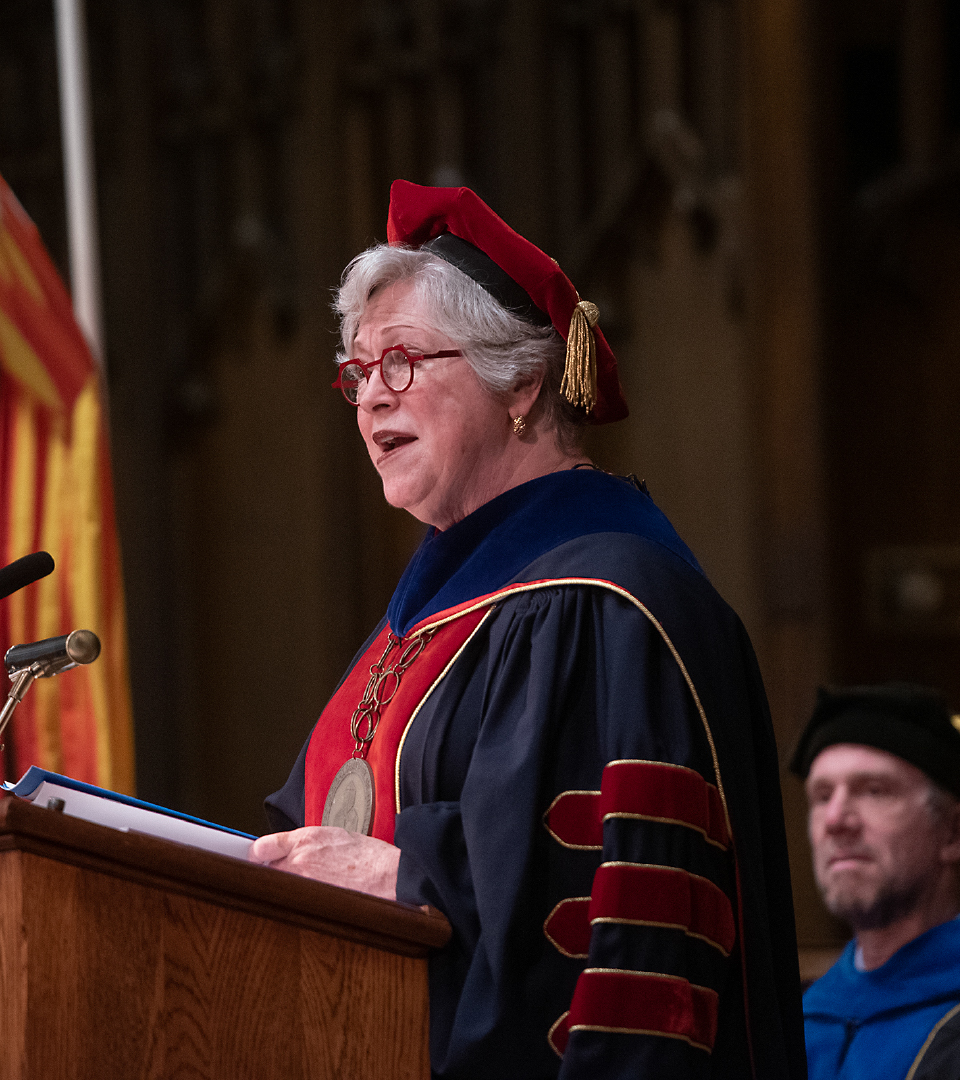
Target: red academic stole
x=332 y=744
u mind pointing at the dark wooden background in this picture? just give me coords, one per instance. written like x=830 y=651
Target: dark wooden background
x=761 y=195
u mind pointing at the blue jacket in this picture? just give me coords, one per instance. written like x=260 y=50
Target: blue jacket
x=865 y=1025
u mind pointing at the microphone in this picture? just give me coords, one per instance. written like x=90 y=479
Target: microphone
x=53 y=655
x=24 y=572
x=41 y=659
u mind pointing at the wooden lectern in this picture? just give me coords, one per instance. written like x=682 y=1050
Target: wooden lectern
x=123 y=956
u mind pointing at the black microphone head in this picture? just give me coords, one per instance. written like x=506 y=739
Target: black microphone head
x=25 y=572
x=18 y=657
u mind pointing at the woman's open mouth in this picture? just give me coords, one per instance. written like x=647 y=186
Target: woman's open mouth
x=389 y=441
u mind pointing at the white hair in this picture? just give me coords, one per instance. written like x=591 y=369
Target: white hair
x=501 y=347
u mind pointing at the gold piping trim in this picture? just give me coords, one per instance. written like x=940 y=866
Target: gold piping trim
x=680 y=870
x=934 y=1031
x=553 y=1027
x=650 y=761
x=696 y=700
x=576 y=847
x=639 y=922
x=635 y=922
x=667 y=821
x=553 y=942
x=661 y=925
x=433 y=686
x=642 y=1031
x=563 y=843
x=708 y=941
x=630 y=598
x=633 y=1031
x=681 y=768
x=663 y=866
x=571 y=791
x=648 y=975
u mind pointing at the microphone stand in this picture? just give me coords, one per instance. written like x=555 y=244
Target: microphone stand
x=41 y=660
x=22 y=681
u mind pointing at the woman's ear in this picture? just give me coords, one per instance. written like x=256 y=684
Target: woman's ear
x=525 y=392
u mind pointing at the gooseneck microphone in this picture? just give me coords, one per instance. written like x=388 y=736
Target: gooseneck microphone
x=55 y=654
x=25 y=572
x=41 y=659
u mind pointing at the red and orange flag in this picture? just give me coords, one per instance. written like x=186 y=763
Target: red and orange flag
x=56 y=495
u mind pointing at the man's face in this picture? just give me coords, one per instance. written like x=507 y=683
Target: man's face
x=879 y=848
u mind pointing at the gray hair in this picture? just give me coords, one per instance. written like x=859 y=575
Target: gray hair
x=500 y=347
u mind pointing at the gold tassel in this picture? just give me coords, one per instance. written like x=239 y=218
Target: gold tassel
x=579 y=384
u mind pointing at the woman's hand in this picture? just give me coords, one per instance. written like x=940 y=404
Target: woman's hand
x=333 y=855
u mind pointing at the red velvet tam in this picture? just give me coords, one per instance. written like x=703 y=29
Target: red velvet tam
x=457 y=225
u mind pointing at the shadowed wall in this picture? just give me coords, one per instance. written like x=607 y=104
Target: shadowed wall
x=760 y=243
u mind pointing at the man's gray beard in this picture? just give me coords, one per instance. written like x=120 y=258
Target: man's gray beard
x=891 y=902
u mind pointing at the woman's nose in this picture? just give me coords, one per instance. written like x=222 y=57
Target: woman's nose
x=374 y=391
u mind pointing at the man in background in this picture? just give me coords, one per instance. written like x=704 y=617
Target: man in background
x=882 y=772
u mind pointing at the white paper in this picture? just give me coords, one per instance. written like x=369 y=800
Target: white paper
x=126 y=818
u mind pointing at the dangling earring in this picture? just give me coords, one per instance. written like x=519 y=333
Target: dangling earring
x=519 y=426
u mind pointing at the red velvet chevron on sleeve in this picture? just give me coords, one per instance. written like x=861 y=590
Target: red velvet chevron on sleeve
x=639 y=1003
x=661 y=792
x=568 y=926
x=573 y=819
x=639 y=789
x=663 y=896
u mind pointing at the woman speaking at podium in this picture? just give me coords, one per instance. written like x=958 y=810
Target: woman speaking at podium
x=557 y=735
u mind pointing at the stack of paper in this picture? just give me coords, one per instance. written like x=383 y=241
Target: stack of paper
x=125 y=813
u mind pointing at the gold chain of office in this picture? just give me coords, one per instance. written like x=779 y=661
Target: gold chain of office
x=382 y=687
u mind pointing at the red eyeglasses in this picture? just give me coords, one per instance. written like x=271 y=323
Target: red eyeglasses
x=396 y=370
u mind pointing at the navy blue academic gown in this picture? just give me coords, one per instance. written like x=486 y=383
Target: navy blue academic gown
x=591 y=796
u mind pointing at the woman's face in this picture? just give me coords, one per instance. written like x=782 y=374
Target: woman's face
x=442 y=447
